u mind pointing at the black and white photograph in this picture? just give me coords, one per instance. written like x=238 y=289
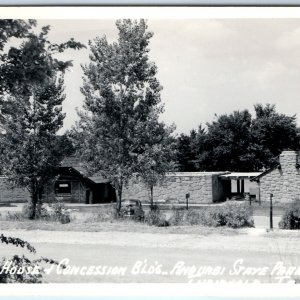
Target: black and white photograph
x=149 y=149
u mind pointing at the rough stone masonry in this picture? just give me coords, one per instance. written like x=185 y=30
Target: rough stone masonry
x=203 y=187
x=283 y=180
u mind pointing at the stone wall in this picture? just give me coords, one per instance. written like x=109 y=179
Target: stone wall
x=203 y=187
x=9 y=195
x=282 y=182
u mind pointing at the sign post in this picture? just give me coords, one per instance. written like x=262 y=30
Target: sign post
x=187 y=196
x=271 y=211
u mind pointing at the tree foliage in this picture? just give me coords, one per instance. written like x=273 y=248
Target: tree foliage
x=273 y=132
x=228 y=142
x=14 y=28
x=20 y=268
x=122 y=105
x=189 y=148
x=239 y=142
x=31 y=111
x=157 y=157
x=33 y=63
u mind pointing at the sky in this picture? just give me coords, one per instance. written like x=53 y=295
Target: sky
x=207 y=67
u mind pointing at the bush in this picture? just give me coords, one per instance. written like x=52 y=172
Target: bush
x=41 y=211
x=184 y=217
x=55 y=211
x=58 y=212
x=155 y=218
x=233 y=215
x=238 y=215
x=230 y=214
x=291 y=217
x=103 y=214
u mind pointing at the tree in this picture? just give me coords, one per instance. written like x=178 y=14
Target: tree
x=33 y=63
x=157 y=157
x=122 y=96
x=189 y=148
x=238 y=142
x=14 y=28
x=31 y=113
x=273 y=132
x=184 y=155
x=227 y=144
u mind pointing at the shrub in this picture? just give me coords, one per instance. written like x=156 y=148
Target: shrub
x=233 y=215
x=184 y=217
x=176 y=217
x=41 y=211
x=230 y=214
x=103 y=214
x=14 y=216
x=238 y=215
x=55 y=211
x=21 y=264
x=58 y=212
x=291 y=217
x=155 y=218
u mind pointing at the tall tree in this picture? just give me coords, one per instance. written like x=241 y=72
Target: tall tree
x=184 y=159
x=14 y=28
x=33 y=63
x=238 y=142
x=122 y=95
x=31 y=113
x=273 y=132
x=227 y=144
x=157 y=157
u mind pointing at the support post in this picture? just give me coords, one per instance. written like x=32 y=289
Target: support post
x=242 y=187
x=238 y=189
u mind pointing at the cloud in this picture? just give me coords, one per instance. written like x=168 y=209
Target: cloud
x=205 y=66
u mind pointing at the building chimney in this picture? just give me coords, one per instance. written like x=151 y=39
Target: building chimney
x=288 y=160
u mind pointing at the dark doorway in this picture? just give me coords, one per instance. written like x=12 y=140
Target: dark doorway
x=87 y=196
x=103 y=193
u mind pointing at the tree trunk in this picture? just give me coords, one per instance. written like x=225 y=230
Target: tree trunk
x=119 y=199
x=34 y=201
x=151 y=197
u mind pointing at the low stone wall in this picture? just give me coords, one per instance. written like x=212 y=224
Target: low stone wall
x=9 y=195
x=282 y=182
x=203 y=188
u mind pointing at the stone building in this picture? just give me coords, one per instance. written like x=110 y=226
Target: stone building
x=74 y=185
x=202 y=187
x=71 y=185
x=12 y=195
x=282 y=180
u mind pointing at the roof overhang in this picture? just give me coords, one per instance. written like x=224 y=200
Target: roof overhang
x=239 y=175
x=98 y=179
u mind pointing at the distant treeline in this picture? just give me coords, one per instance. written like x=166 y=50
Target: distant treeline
x=238 y=141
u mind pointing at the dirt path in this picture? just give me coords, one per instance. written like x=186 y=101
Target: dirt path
x=251 y=239
x=255 y=247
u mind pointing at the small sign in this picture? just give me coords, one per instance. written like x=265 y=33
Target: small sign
x=63 y=185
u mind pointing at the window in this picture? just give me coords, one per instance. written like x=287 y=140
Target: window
x=63 y=187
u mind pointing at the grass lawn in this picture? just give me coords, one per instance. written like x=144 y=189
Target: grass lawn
x=118 y=226
x=88 y=241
